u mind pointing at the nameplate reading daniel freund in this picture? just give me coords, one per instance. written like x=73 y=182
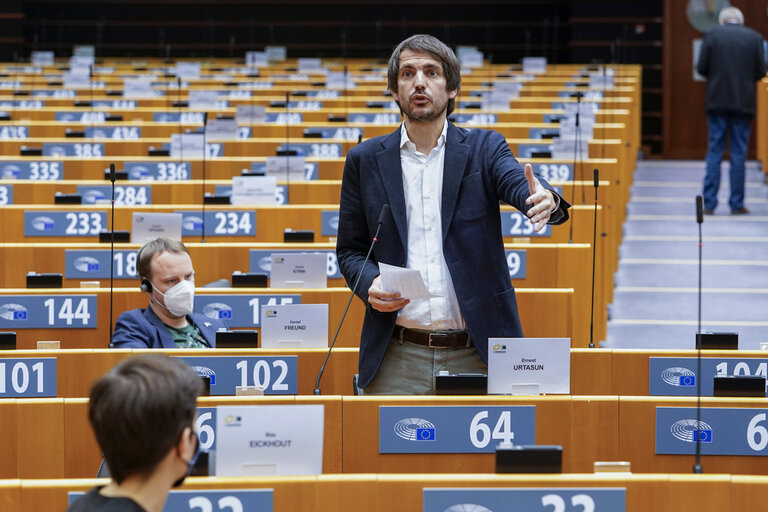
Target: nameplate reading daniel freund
x=295 y=325
x=527 y=365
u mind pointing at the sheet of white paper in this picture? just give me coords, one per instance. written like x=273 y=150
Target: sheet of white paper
x=406 y=281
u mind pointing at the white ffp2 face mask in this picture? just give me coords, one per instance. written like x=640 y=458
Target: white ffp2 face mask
x=180 y=298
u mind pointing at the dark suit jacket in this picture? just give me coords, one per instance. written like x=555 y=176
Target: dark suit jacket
x=479 y=171
x=732 y=59
x=142 y=328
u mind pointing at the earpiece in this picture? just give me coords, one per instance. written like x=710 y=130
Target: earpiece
x=146 y=286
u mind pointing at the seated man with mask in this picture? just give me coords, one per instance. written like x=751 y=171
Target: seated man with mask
x=168 y=278
x=143 y=414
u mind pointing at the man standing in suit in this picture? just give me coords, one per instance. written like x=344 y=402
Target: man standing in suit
x=732 y=58
x=168 y=278
x=443 y=185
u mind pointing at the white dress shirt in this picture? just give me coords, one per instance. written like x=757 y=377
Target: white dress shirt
x=423 y=187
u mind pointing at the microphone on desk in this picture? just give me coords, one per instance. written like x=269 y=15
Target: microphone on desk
x=697 y=469
x=382 y=216
x=594 y=246
x=205 y=150
x=112 y=254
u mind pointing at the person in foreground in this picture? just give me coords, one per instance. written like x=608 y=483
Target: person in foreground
x=168 y=278
x=443 y=185
x=732 y=58
x=142 y=413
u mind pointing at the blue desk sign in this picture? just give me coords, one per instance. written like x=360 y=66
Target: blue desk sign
x=58 y=93
x=316 y=149
x=323 y=94
x=261 y=261
x=6 y=194
x=378 y=119
x=204 y=500
x=244 y=132
x=278 y=375
x=310 y=169
x=14 y=132
x=125 y=195
x=178 y=117
x=157 y=171
x=23 y=104
x=113 y=132
x=61 y=223
x=283 y=118
x=205 y=426
x=344 y=133
x=85 y=117
x=115 y=104
x=31 y=170
x=78 y=149
x=237 y=310
x=94 y=264
x=525 y=151
x=305 y=105
x=552 y=118
x=454 y=429
x=516 y=261
x=47 y=311
x=218 y=223
x=517 y=224
x=676 y=376
x=522 y=499
x=28 y=377
x=723 y=431
x=476 y=119
x=554 y=172
x=329 y=220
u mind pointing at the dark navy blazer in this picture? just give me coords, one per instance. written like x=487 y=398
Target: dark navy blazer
x=142 y=328
x=479 y=171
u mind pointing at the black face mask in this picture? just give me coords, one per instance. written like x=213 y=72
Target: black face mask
x=190 y=464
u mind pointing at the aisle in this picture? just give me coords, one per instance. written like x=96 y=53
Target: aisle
x=655 y=300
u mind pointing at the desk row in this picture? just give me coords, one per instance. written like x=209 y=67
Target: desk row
x=360 y=433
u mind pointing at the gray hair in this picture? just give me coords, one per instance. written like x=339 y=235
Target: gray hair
x=435 y=48
x=731 y=15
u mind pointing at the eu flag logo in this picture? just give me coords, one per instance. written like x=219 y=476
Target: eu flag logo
x=687 y=380
x=425 y=434
x=225 y=314
x=93 y=267
x=19 y=315
x=703 y=435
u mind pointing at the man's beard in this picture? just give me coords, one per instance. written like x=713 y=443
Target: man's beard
x=427 y=115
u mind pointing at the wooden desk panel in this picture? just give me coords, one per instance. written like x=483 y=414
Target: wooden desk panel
x=534 y=307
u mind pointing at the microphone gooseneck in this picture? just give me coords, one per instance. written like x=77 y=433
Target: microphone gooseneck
x=112 y=254
x=697 y=469
x=382 y=217
x=205 y=150
x=594 y=248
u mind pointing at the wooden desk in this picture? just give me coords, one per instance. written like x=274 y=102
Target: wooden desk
x=534 y=306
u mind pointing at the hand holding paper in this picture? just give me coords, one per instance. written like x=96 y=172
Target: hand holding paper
x=406 y=281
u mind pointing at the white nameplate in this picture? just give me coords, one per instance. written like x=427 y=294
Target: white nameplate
x=148 y=226
x=250 y=114
x=41 y=58
x=514 y=363
x=256 y=59
x=187 y=145
x=534 y=65
x=221 y=129
x=256 y=440
x=276 y=53
x=253 y=190
x=188 y=70
x=294 y=326
x=310 y=65
x=298 y=270
x=286 y=168
x=201 y=99
x=137 y=88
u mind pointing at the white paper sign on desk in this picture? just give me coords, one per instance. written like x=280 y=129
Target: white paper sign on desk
x=187 y=145
x=299 y=270
x=542 y=365
x=221 y=129
x=136 y=88
x=253 y=190
x=294 y=326
x=202 y=99
x=407 y=281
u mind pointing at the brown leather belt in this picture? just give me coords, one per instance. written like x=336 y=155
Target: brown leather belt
x=435 y=339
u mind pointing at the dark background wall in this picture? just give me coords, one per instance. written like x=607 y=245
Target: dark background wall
x=654 y=33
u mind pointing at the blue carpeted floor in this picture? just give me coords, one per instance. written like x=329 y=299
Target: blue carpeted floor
x=656 y=296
